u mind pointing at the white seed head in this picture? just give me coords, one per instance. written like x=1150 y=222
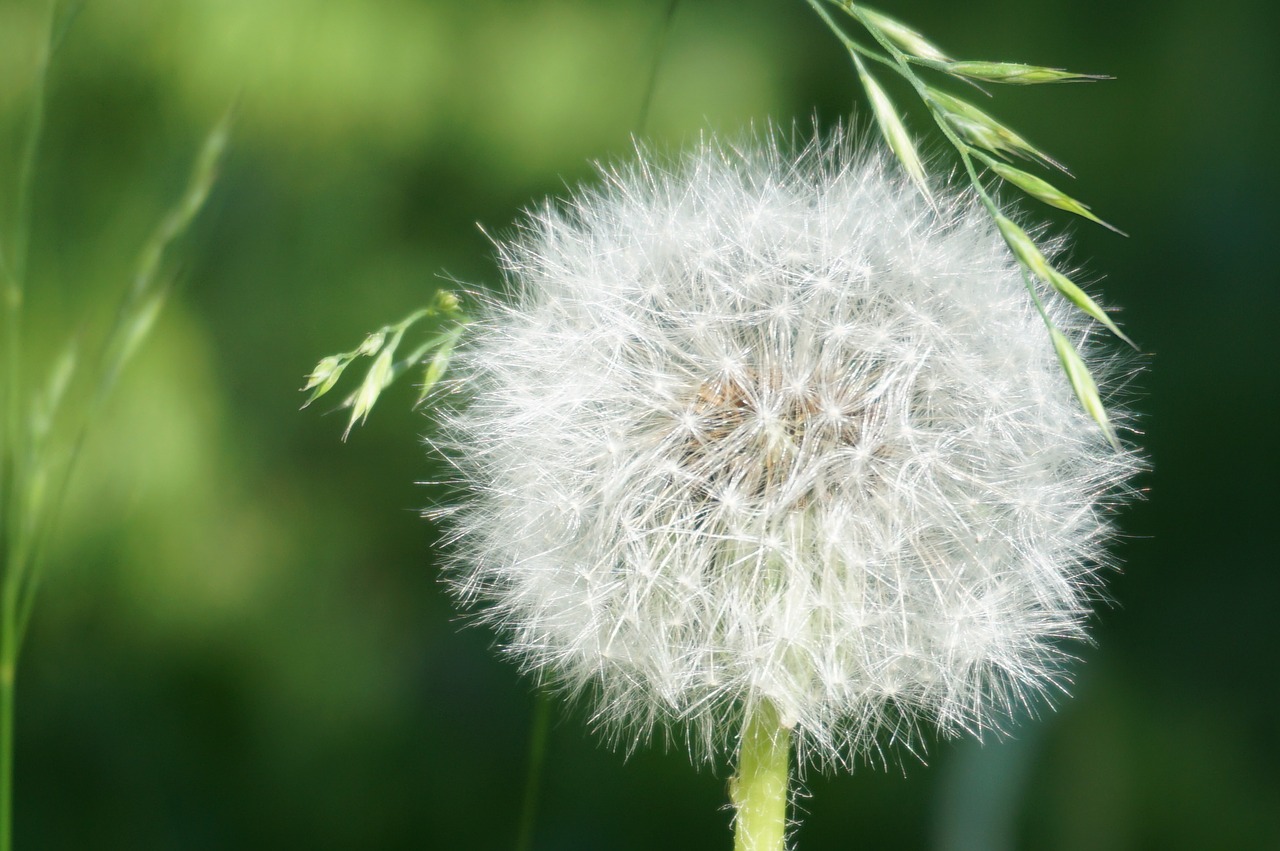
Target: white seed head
x=762 y=427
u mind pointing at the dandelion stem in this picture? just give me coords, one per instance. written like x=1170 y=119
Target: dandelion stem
x=759 y=791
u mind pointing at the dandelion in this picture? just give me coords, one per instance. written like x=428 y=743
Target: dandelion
x=769 y=451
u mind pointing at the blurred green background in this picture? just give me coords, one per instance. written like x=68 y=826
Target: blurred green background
x=242 y=641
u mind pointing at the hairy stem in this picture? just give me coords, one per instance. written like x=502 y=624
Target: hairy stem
x=759 y=791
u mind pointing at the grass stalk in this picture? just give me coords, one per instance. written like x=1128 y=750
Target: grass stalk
x=36 y=466
x=538 y=733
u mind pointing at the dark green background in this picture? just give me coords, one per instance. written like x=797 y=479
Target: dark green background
x=243 y=643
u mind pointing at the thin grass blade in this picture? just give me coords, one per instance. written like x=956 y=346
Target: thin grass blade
x=1086 y=389
x=1025 y=249
x=900 y=34
x=986 y=132
x=895 y=132
x=1043 y=190
x=1014 y=73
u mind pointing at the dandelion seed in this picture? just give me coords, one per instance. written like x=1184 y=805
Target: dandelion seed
x=764 y=433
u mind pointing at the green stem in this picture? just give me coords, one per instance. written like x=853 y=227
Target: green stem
x=8 y=671
x=533 y=779
x=850 y=45
x=659 y=53
x=759 y=791
x=14 y=464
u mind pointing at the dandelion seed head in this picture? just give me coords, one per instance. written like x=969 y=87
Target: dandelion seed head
x=760 y=427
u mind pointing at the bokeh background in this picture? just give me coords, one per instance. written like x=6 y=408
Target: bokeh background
x=242 y=641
